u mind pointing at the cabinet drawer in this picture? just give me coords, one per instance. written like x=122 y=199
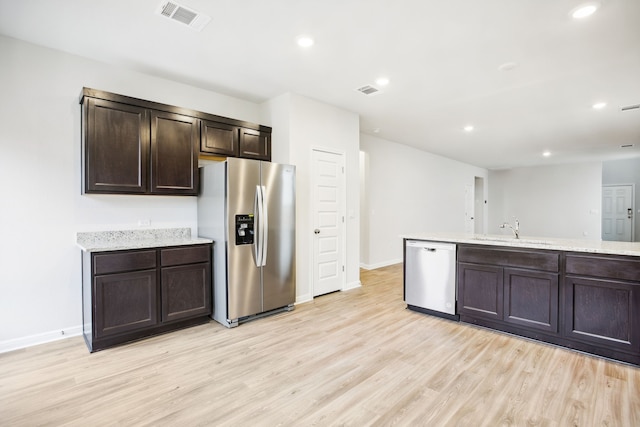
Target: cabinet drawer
x=184 y=255
x=115 y=262
x=603 y=266
x=545 y=261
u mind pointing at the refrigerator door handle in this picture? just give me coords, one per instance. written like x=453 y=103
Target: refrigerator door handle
x=264 y=226
x=257 y=227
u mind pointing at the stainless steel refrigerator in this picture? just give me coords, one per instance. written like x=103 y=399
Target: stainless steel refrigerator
x=247 y=207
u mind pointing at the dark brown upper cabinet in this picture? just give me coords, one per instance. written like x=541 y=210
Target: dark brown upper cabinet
x=116 y=147
x=219 y=139
x=133 y=146
x=174 y=153
x=255 y=144
x=130 y=149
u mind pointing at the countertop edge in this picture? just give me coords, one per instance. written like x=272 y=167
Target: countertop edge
x=552 y=244
x=122 y=240
x=145 y=245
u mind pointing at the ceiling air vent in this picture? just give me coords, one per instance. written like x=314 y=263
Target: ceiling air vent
x=368 y=90
x=630 y=107
x=183 y=14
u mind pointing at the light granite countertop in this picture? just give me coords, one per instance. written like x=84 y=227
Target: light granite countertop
x=550 y=243
x=117 y=240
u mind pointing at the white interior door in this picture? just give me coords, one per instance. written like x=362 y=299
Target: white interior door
x=617 y=212
x=328 y=203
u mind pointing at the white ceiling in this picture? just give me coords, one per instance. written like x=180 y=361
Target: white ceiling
x=442 y=58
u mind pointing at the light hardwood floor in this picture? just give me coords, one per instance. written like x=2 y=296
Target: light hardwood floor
x=350 y=358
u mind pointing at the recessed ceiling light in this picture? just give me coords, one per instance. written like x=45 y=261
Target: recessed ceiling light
x=599 y=105
x=584 y=10
x=382 y=81
x=468 y=128
x=546 y=153
x=507 y=66
x=305 y=41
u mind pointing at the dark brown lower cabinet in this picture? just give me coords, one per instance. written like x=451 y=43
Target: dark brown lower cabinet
x=501 y=288
x=603 y=305
x=127 y=301
x=186 y=292
x=128 y=295
x=586 y=302
x=480 y=291
x=531 y=299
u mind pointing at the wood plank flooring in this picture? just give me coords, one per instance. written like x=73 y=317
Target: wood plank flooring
x=354 y=358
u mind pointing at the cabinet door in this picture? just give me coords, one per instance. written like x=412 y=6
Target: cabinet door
x=219 y=138
x=125 y=302
x=255 y=144
x=186 y=291
x=603 y=312
x=116 y=147
x=175 y=140
x=480 y=291
x=531 y=299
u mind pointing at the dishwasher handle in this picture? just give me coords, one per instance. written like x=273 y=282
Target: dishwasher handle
x=430 y=246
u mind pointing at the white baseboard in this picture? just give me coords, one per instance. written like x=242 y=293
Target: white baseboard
x=45 y=337
x=301 y=299
x=380 y=264
x=352 y=285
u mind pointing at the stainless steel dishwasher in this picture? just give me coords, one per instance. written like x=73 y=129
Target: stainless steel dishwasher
x=430 y=278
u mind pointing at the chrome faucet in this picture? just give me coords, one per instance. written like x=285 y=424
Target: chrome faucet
x=516 y=229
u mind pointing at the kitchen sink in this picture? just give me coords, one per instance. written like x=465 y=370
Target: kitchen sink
x=511 y=240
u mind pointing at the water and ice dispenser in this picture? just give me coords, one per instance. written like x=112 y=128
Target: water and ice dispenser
x=244 y=229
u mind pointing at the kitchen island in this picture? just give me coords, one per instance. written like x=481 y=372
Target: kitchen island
x=579 y=294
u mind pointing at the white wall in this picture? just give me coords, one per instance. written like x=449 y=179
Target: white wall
x=42 y=208
x=311 y=124
x=550 y=201
x=410 y=191
x=276 y=112
x=627 y=171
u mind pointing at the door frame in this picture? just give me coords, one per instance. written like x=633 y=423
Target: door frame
x=312 y=210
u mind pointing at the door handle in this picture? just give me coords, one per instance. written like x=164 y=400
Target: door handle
x=257 y=226
x=629 y=213
x=316 y=231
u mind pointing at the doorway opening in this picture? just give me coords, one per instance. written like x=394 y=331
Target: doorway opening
x=479 y=203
